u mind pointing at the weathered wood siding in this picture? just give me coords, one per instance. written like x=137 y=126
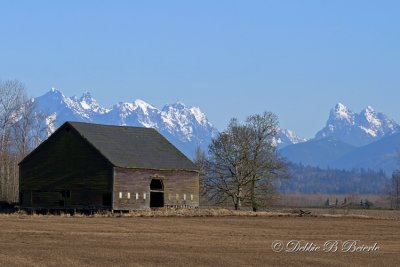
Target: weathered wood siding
x=65 y=162
x=177 y=184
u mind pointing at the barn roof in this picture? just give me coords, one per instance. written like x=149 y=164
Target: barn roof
x=133 y=147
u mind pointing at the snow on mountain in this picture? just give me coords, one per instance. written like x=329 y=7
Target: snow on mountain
x=188 y=128
x=342 y=113
x=376 y=124
x=71 y=108
x=185 y=127
x=138 y=113
x=357 y=129
x=188 y=122
x=287 y=137
x=50 y=122
x=87 y=102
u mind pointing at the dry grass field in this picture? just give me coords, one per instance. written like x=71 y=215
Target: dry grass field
x=191 y=241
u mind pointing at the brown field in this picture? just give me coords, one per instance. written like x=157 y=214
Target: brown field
x=191 y=241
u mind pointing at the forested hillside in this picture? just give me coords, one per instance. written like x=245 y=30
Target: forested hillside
x=309 y=180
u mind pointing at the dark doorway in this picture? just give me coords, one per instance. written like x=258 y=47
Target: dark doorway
x=107 y=199
x=156 y=193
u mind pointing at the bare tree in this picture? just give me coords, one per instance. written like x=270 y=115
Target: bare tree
x=11 y=93
x=227 y=175
x=200 y=162
x=265 y=164
x=11 y=99
x=30 y=130
x=395 y=190
x=20 y=132
x=243 y=162
x=394 y=186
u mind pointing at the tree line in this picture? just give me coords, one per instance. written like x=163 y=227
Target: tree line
x=394 y=190
x=310 y=180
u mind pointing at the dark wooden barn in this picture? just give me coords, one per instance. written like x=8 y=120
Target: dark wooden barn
x=92 y=166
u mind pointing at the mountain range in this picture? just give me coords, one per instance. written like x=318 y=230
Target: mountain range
x=368 y=139
x=185 y=127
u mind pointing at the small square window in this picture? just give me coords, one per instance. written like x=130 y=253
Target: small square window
x=120 y=195
x=128 y=195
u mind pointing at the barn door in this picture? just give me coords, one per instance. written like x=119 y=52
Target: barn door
x=156 y=193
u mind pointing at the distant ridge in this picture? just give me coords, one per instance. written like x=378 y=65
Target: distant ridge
x=369 y=140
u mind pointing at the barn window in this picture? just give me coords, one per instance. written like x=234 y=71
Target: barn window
x=191 y=197
x=184 y=196
x=120 y=195
x=144 y=195
x=137 y=196
x=128 y=195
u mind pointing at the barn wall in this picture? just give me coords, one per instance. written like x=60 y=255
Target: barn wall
x=65 y=172
x=176 y=185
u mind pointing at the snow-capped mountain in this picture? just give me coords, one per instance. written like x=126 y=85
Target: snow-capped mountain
x=185 y=127
x=348 y=139
x=71 y=108
x=287 y=137
x=368 y=139
x=357 y=129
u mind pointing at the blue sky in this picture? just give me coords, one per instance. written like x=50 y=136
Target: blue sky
x=230 y=58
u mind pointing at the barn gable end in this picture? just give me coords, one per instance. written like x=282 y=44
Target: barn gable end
x=65 y=170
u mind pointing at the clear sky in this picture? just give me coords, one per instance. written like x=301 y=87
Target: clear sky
x=230 y=58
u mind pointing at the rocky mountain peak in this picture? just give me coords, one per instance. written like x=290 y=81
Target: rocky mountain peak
x=357 y=129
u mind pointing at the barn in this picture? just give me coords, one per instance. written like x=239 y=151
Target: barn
x=85 y=166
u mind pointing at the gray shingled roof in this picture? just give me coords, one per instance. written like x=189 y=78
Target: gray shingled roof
x=133 y=147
